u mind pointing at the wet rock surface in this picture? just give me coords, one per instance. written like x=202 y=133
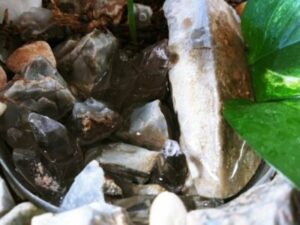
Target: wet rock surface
x=136 y=79
x=111 y=158
x=171 y=168
x=203 y=77
x=90 y=55
x=92 y=121
x=146 y=127
x=272 y=203
x=41 y=89
x=106 y=102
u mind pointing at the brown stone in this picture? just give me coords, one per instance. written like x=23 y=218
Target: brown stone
x=240 y=8
x=3 y=78
x=24 y=55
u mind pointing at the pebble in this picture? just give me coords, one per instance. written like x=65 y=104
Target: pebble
x=20 y=214
x=93 y=214
x=3 y=78
x=167 y=209
x=86 y=189
x=6 y=200
x=274 y=203
x=23 y=56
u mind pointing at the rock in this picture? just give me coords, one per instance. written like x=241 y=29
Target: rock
x=23 y=56
x=15 y=129
x=6 y=200
x=146 y=127
x=33 y=170
x=110 y=188
x=269 y=204
x=137 y=167
x=93 y=214
x=148 y=189
x=20 y=214
x=135 y=79
x=240 y=8
x=131 y=189
x=143 y=14
x=3 y=108
x=41 y=89
x=138 y=208
x=91 y=56
x=37 y=24
x=62 y=153
x=198 y=202
x=16 y=8
x=86 y=188
x=92 y=121
x=171 y=168
x=209 y=66
x=3 y=78
x=167 y=209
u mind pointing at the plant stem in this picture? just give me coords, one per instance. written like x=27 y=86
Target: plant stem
x=131 y=21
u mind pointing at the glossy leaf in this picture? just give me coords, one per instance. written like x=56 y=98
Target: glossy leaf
x=272 y=129
x=271 y=29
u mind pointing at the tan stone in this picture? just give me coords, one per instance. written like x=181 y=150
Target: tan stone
x=211 y=68
x=21 y=57
x=3 y=78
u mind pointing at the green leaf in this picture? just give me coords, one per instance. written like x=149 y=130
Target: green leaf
x=273 y=129
x=271 y=29
x=131 y=21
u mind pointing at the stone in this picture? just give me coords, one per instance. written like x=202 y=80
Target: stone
x=3 y=78
x=23 y=56
x=146 y=127
x=167 y=209
x=33 y=170
x=276 y=202
x=15 y=8
x=135 y=78
x=62 y=153
x=14 y=127
x=110 y=188
x=93 y=214
x=38 y=24
x=130 y=189
x=91 y=56
x=137 y=167
x=6 y=200
x=138 y=208
x=21 y=214
x=240 y=8
x=86 y=188
x=143 y=14
x=41 y=89
x=171 y=168
x=92 y=121
x=209 y=67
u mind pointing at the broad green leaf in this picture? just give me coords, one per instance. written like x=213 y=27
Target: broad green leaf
x=271 y=30
x=273 y=129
